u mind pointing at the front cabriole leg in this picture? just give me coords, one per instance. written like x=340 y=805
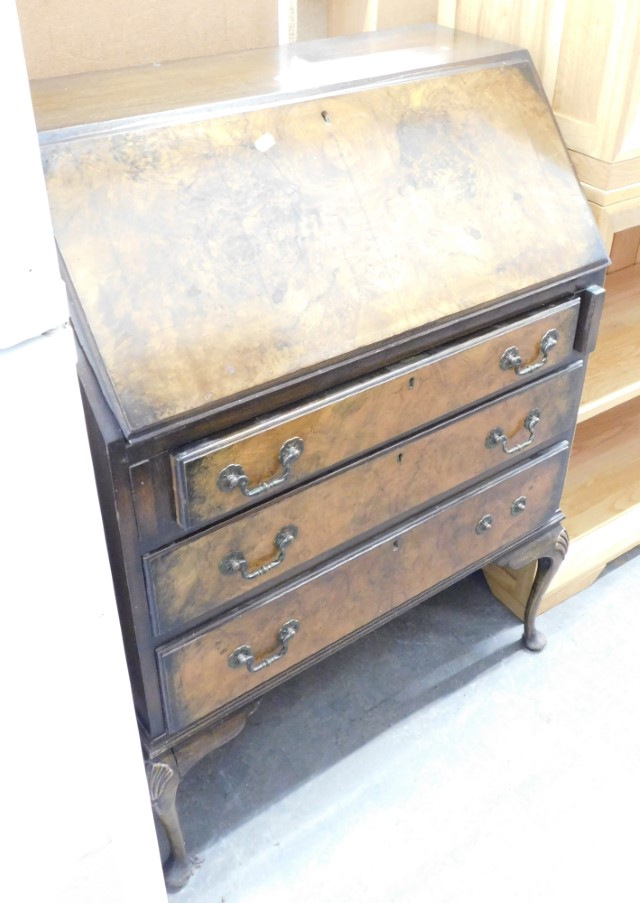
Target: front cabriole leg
x=547 y=566
x=164 y=773
x=164 y=778
x=550 y=551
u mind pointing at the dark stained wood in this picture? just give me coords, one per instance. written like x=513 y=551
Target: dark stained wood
x=163 y=778
x=108 y=450
x=185 y=580
x=336 y=601
x=549 y=550
x=314 y=229
x=145 y=501
x=345 y=424
x=589 y=321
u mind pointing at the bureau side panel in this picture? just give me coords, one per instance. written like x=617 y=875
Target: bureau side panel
x=116 y=502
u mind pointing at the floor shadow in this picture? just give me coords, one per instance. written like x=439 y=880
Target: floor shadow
x=622 y=559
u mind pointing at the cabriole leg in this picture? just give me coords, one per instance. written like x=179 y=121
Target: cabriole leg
x=164 y=779
x=164 y=773
x=547 y=566
x=549 y=550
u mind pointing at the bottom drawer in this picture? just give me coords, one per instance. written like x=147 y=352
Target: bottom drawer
x=351 y=591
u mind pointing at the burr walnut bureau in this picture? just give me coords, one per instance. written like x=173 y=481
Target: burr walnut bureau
x=333 y=304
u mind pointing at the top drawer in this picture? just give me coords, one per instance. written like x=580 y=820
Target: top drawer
x=213 y=478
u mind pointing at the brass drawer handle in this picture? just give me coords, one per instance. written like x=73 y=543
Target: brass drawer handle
x=497 y=437
x=512 y=359
x=235 y=561
x=243 y=656
x=234 y=475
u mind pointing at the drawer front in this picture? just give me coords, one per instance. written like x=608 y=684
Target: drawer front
x=194 y=577
x=208 y=477
x=196 y=675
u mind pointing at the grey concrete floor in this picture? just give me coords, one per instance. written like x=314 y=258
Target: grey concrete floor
x=436 y=760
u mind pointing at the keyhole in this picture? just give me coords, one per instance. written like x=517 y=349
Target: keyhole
x=396 y=545
x=326 y=116
x=400 y=458
x=412 y=382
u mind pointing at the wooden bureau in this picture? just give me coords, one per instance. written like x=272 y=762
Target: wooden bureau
x=333 y=303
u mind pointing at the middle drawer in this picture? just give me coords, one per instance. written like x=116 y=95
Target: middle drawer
x=200 y=575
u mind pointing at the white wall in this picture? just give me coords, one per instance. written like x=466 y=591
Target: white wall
x=78 y=817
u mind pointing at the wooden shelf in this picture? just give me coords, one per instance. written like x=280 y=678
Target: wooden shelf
x=604 y=473
x=613 y=377
x=602 y=506
x=601 y=499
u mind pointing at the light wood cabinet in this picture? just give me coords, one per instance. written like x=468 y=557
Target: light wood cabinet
x=602 y=493
x=587 y=55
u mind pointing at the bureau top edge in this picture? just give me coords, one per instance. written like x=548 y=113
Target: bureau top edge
x=74 y=106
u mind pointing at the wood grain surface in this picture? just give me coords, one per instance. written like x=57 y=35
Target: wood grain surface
x=363 y=416
x=218 y=256
x=185 y=580
x=349 y=593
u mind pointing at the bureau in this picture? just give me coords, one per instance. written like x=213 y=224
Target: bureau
x=333 y=305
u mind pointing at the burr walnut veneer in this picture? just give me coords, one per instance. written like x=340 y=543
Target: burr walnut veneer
x=333 y=304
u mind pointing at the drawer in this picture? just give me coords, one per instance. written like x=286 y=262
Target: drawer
x=192 y=578
x=211 y=477
x=197 y=673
